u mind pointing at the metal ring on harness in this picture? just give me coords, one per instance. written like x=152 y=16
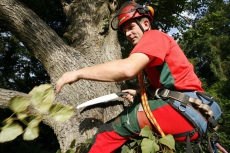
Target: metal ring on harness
x=156 y=93
x=183 y=110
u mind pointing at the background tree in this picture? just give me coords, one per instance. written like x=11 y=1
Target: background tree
x=87 y=40
x=207 y=45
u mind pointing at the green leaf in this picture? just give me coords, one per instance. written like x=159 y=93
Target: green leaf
x=58 y=151
x=61 y=113
x=44 y=106
x=149 y=146
x=55 y=108
x=19 y=104
x=168 y=141
x=47 y=100
x=42 y=97
x=31 y=133
x=146 y=132
x=73 y=143
x=132 y=144
x=10 y=132
x=35 y=122
x=131 y=151
x=70 y=151
x=88 y=140
x=37 y=94
x=124 y=149
x=22 y=115
x=8 y=121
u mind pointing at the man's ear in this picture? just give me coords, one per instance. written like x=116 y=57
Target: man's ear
x=146 y=24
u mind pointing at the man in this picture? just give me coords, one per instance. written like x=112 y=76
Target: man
x=166 y=67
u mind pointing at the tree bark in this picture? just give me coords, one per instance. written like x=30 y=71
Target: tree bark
x=6 y=95
x=91 y=42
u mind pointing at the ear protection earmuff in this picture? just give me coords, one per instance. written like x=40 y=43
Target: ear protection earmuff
x=146 y=9
x=150 y=9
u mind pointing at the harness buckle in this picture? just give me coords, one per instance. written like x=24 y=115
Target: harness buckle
x=165 y=93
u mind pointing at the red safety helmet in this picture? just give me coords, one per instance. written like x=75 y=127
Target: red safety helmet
x=130 y=10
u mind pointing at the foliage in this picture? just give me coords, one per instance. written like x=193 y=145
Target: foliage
x=207 y=43
x=19 y=70
x=40 y=98
x=149 y=142
x=45 y=143
x=146 y=142
x=171 y=14
x=207 y=46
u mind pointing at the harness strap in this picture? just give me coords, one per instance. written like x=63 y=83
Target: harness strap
x=196 y=148
x=188 y=142
x=188 y=145
x=187 y=100
x=189 y=133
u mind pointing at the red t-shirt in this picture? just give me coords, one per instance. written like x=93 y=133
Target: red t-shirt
x=168 y=65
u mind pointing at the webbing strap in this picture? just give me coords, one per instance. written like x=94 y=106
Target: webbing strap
x=186 y=100
x=188 y=145
x=196 y=148
x=188 y=142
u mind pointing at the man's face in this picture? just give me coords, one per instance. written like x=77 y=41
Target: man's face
x=132 y=31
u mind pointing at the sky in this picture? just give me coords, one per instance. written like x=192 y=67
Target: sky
x=172 y=31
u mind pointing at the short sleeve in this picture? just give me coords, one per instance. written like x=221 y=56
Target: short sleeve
x=155 y=45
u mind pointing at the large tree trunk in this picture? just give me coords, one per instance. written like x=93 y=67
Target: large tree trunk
x=92 y=42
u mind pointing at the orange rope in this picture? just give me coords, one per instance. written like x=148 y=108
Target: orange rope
x=146 y=107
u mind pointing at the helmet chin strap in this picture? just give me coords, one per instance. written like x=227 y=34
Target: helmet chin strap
x=141 y=27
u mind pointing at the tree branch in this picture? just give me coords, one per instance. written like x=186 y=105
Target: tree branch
x=6 y=95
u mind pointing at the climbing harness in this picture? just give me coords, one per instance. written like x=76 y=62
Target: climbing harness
x=201 y=110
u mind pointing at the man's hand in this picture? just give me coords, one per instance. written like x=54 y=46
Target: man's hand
x=66 y=78
x=131 y=94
